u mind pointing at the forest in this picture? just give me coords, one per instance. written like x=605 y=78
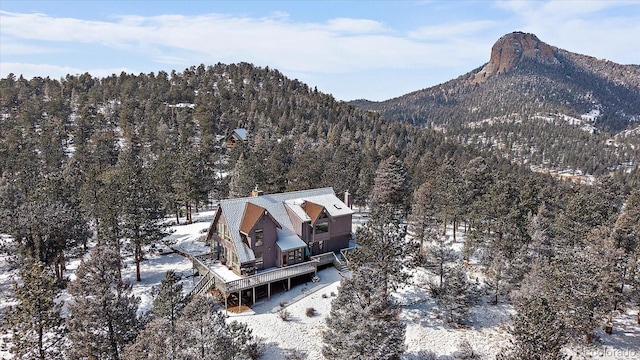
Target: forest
x=98 y=163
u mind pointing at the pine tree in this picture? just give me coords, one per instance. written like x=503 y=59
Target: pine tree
x=457 y=295
x=45 y=230
x=245 y=345
x=10 y=201
x=242 y=181
x=168 y=299
x=102 y=317
x=422 y=220
x=450 y=195
x=140 y=206
x=391 y=184
x=35 y=325
x=497 y=282
x=363 y=324
x=440 y=257
x=155 y=342
x=383 y=246
x=203 y=332
x=538 y=334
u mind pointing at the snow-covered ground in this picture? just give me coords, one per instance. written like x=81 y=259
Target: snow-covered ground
x=486 y=332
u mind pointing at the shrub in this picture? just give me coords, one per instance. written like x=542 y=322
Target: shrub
x=284 y=314
x=310 y=312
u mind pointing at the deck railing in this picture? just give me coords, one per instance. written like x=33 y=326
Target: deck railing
x=324 y=259
x=204 y=284
x=210 y=278
x=272 y=276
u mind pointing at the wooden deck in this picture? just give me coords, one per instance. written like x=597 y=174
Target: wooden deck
x=217 y=276
x=212 y=278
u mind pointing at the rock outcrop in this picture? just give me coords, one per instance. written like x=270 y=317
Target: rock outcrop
x=511 y=49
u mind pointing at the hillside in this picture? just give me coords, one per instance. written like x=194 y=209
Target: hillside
x=530 y=97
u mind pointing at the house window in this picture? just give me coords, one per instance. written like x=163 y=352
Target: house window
x=223 y=230
x=322 y=228
x=259 y=261
x=259 y=235
x=234 y=258
x=294 y=256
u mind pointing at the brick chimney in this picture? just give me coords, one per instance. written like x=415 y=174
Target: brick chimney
x=255 y=192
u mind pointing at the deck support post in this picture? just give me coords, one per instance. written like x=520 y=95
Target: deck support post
x=269 y=291
x=225 y=305
x=239 y=300
x=253 y=292
x=288 y=284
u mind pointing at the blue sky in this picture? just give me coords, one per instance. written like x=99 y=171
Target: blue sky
x=375 y=50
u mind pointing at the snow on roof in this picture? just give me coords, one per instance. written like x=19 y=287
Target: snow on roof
x=242 y=133
x=233 y=210
x=288 y=240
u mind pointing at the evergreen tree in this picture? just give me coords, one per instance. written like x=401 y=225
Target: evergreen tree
x=242 y=180
x=440 y=257
x=35 y=325
x=155 y=342
x=422 y=220
x=363 y=324
x=457 y=296
x=244 y=344
x=45 y=230
x=626 y=235
x=140 y=206
x=203 y=332
x=102 y=318
x=391 y=184
x=450 y=195
x=10 y=201
x=168 y=300
x=383 y=246
x=537 y=333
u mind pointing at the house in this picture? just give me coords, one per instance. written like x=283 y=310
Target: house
x=278 y=230
x=236 y=136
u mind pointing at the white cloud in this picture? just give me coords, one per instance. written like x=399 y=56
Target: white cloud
x=338 y=46
x=356 y=26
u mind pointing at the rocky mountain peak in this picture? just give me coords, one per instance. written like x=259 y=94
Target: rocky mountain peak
x=511 y=49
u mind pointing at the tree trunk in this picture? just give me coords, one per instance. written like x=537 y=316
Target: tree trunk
x=188 y=208
x=455 y=225
x=445 y=227
x=177 y=214
x=112 y=340
x=138 y=255
x=41 y=343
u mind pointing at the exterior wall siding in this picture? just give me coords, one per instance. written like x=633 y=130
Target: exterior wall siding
x=268 y=249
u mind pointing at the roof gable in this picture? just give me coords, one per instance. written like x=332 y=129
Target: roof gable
x=313 y=210
x=252 y=213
